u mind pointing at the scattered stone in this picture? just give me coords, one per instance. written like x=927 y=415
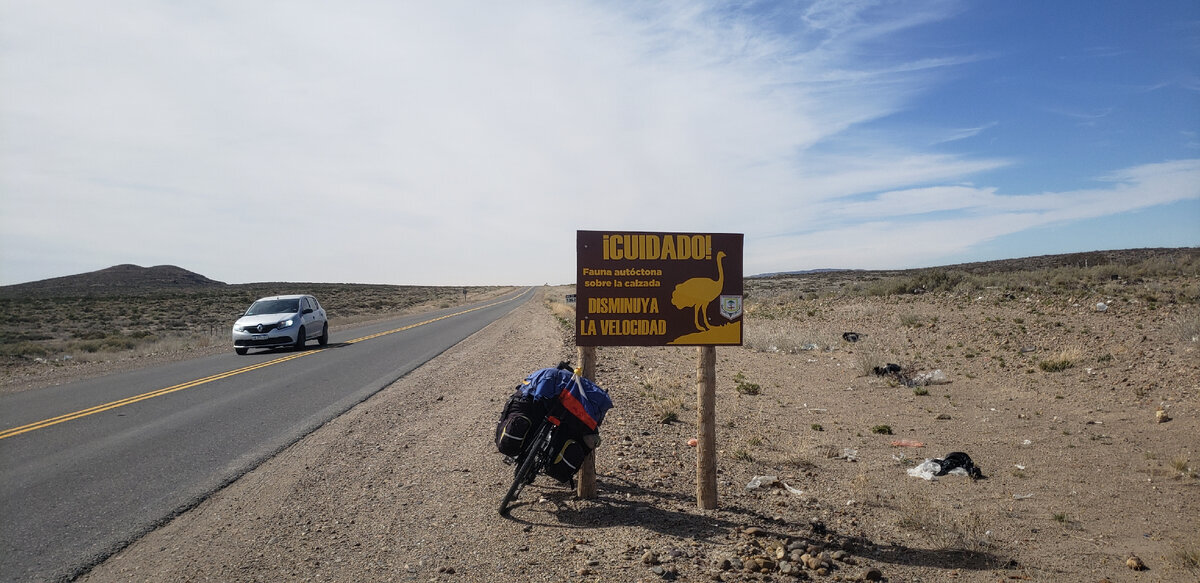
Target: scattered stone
x=1161 y=415
x=667 y=573
x=753 y=531
x=650 y=558
x=1134 y=562
x=872 y=574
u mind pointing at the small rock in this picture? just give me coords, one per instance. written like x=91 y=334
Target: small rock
x=1161 y=416
x=753 y=531
x=872 y=574
x=1134 y=562
x=666 y=573
x=650 y=558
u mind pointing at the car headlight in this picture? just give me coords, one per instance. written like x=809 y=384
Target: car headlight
x=238 y=328
x=284 y=324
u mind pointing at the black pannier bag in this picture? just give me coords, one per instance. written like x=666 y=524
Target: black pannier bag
x=567 y=452
x=517 y=423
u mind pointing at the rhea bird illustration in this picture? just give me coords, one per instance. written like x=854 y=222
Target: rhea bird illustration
x=698 y=292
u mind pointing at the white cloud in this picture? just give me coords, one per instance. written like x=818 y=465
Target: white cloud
x=449 y=142
x=923 y=226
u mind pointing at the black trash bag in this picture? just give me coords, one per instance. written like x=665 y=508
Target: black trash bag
x=955 y=460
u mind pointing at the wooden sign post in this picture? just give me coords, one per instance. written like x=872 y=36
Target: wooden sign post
x=706 y=428
x=585 y=487
x=662 y=289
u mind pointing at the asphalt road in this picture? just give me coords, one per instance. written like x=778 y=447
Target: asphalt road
x=89 y=467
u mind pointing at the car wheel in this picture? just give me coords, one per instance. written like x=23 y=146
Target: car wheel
x=324 y=338
x=300 y=338
x=240 y=349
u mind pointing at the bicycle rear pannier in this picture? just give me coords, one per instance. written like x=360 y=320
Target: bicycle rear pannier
x=517 y=422
x=567 y=453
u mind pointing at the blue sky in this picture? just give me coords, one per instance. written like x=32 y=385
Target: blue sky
x=448 y=143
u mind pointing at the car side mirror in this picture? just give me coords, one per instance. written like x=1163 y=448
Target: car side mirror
x=308 y=310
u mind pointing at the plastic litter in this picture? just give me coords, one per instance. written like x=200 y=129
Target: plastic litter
x=850 y=455
x=957 y=463
x=891 y=368
x=934 y=377
x=1101 y=307
x=852 y=336
x=762 y=482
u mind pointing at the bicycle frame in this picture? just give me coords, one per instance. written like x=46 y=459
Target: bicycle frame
x=531 y=461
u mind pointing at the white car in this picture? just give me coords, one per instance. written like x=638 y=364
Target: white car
x=281 y=321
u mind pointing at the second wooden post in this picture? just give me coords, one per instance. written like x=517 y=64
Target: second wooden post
x=706 y=438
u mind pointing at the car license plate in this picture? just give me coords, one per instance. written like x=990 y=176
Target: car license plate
x=258 y=337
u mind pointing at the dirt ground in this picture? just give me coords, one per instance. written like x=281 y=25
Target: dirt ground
x=1079 y=474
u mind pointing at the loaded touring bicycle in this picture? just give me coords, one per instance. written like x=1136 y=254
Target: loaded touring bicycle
x=549 y=426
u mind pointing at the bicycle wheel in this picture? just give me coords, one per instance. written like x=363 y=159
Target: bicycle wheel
x=526 y=470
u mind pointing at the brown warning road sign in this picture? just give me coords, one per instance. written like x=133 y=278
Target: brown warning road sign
x=658 y=289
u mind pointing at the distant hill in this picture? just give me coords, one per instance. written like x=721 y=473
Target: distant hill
x=119 y=279
x=1083 y=259
x=801 y=272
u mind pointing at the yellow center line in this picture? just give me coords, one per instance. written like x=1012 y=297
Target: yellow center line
x=195 y=383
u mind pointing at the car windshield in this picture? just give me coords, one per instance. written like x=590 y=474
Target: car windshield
x=274 y=307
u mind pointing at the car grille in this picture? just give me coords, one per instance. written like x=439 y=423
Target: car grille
x=260 y=328
x=267 y=342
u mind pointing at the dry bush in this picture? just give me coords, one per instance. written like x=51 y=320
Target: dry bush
x=867 y=357
x=946 y=528
x=778 y=335
x=1186 y=329
x=1061 y=361
x=666 y=396
x=564 y=313
x=1188 y=557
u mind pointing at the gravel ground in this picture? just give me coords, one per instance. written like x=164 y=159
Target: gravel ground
x=1080 y=476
